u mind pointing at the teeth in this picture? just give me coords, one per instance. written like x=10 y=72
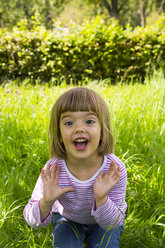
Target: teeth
x=80 y=140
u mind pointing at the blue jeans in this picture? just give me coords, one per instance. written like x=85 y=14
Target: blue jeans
x=68 y=234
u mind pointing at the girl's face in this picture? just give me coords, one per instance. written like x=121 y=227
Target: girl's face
x=80 y=134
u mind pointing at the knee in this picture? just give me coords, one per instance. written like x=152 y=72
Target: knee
x=66 y=235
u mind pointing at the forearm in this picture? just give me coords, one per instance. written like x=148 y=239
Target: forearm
x=108 y=215
x=100 y=201
x=45 y=209
x=32 y=214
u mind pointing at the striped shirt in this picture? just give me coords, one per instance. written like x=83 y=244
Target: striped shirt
x=79 y=205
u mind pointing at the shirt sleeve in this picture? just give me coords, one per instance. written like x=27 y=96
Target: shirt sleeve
x=110 y=215
x=31 y=212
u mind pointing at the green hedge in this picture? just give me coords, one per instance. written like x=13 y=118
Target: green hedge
x=93 y=50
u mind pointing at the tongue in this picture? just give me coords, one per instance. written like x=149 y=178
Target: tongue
x=81 y=145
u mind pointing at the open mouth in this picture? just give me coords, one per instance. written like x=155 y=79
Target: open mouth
x=81 y=144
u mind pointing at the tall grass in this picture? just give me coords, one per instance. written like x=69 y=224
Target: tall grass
x=138 y=120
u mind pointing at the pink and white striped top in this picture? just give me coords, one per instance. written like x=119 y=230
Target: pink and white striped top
x=79 y=205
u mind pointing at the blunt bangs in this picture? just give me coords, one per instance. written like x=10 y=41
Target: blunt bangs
x=81 y=99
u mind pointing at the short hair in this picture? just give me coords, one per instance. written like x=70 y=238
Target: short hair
x=80 y=99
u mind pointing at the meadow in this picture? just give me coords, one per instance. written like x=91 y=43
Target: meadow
x=138 y=122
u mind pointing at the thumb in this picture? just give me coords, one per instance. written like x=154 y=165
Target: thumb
x=67 y=189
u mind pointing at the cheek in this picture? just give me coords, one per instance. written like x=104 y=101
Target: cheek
x=64 y=136
x=99 y=132
x=97 y=136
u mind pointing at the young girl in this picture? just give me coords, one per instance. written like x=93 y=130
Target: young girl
x=83 y=186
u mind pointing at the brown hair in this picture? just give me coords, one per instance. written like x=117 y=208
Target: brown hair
x=80 y=99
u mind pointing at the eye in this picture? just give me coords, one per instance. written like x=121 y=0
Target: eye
x=90 y=121
x=68 y=123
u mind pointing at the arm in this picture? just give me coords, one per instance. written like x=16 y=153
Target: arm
x=109 y=189
x=51 y=189
x=47 y=190
x=32 y=213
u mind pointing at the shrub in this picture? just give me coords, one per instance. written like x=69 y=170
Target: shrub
x=93 y=50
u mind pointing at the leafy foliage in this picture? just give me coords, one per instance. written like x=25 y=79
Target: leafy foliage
x=92 y=50
x=127 y=11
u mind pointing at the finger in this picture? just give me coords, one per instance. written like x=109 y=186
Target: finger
x=53 y=170
x=116 y=176
x=112 y=168
x=47 y=172
x=42 y=175
x=101 y=174
x=67 y=189
x=118 y=173
x=57 y=173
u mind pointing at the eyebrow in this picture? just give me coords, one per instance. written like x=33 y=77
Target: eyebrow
x=69 y=115
x=65 y=116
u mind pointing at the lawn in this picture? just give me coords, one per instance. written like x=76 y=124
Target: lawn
x=138 y=121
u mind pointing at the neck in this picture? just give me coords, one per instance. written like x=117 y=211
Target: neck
x=84 y=169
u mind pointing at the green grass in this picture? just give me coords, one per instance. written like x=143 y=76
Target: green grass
x=138 y=120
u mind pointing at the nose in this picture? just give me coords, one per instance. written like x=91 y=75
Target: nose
x=79 y=128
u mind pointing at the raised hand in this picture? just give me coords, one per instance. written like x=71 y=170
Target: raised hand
x=105 y=182
x=51 y=189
